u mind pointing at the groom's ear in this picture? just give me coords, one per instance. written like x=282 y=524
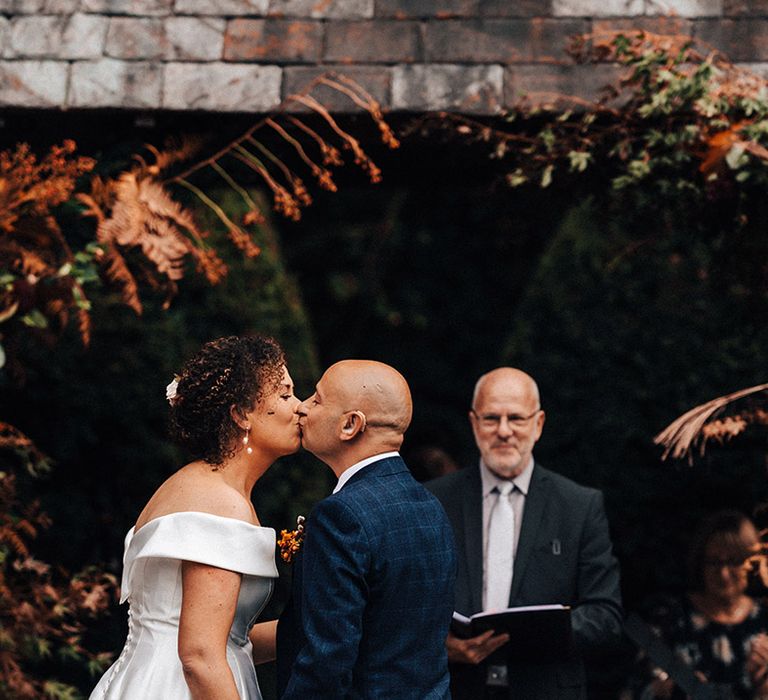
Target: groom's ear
x=353 y=423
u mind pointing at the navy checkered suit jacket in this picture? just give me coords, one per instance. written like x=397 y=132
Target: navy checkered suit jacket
x=374 y=598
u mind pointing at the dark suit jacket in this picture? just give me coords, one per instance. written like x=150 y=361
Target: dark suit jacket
x=563 y=556
x=378 y=574
x=290 y=636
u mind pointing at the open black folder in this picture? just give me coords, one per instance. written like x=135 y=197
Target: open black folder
x=537 y=632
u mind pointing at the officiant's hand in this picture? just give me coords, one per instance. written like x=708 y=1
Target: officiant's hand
x=475 y=649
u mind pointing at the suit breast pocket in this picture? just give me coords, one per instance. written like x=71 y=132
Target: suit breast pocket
x=553 y=568
x=553 y=548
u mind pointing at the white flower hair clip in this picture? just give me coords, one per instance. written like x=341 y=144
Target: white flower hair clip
x=170 y=391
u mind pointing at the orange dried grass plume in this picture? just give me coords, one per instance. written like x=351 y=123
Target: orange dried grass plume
x=280 y=173
x=33 y=186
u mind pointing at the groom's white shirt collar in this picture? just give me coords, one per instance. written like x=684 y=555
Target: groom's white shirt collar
x=349 y=473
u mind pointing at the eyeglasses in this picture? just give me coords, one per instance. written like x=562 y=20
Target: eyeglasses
x=492 y=421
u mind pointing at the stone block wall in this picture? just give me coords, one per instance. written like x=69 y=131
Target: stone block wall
x=474 y=56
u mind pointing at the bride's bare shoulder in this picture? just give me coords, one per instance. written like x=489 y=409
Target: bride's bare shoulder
x=195 y=487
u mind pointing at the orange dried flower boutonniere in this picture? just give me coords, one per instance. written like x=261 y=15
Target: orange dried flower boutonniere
x=290 y=540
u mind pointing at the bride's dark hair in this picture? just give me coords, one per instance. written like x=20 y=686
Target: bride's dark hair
x=231 y=371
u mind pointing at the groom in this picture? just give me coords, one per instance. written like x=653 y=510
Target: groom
x=373 y=595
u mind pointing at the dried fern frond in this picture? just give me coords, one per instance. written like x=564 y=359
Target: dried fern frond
x=101 y=198
x=137 y=209
x=13 y=540
x=687 y=431
x=140 y=202
x=145 y=215
x=115 y=269
x=11 y=438
x=45 y=611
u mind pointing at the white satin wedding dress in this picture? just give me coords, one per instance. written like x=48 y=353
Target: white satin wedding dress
x=148 y=668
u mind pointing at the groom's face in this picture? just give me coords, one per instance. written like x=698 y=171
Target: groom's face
x=320 y=415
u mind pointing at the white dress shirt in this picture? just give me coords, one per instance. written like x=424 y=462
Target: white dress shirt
x=489 y=482
x=348 y=473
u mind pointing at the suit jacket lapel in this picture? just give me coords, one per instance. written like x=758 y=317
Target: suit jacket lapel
x=535 y=505
x=473 y=533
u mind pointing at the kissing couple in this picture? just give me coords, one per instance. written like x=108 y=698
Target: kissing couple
x=373 y=584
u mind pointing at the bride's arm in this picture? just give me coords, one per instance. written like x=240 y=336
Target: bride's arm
x=262 y=636
x=207 y=611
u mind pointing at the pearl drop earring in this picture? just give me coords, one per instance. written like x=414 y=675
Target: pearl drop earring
x=248 y=448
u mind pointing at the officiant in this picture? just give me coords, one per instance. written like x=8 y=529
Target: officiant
x=525 y=536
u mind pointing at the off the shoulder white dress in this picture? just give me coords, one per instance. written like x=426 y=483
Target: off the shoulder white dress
x=148 y=668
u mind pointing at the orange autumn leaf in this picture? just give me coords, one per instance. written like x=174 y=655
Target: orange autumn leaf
x=719 y=144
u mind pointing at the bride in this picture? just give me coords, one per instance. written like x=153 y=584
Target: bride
x=197 y=567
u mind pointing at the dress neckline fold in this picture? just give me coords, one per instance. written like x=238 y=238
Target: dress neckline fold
x=134 y=532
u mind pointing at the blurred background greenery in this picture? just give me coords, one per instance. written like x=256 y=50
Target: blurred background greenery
x=626 y=312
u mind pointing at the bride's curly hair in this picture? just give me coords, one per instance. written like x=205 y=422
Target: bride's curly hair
x=231 y=371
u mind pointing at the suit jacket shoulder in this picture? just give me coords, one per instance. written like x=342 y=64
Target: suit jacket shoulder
x=450 y=484
x=564 y=484
x=450 y=488
x=375 y=490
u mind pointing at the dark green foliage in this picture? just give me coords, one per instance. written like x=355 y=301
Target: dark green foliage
x=626 y=311
x=621 y=344
x=425 y=273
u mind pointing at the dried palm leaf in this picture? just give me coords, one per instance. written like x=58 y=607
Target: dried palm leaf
x=687 y=431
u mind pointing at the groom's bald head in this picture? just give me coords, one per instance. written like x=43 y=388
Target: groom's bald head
x=376 y=389
x=359 y=408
